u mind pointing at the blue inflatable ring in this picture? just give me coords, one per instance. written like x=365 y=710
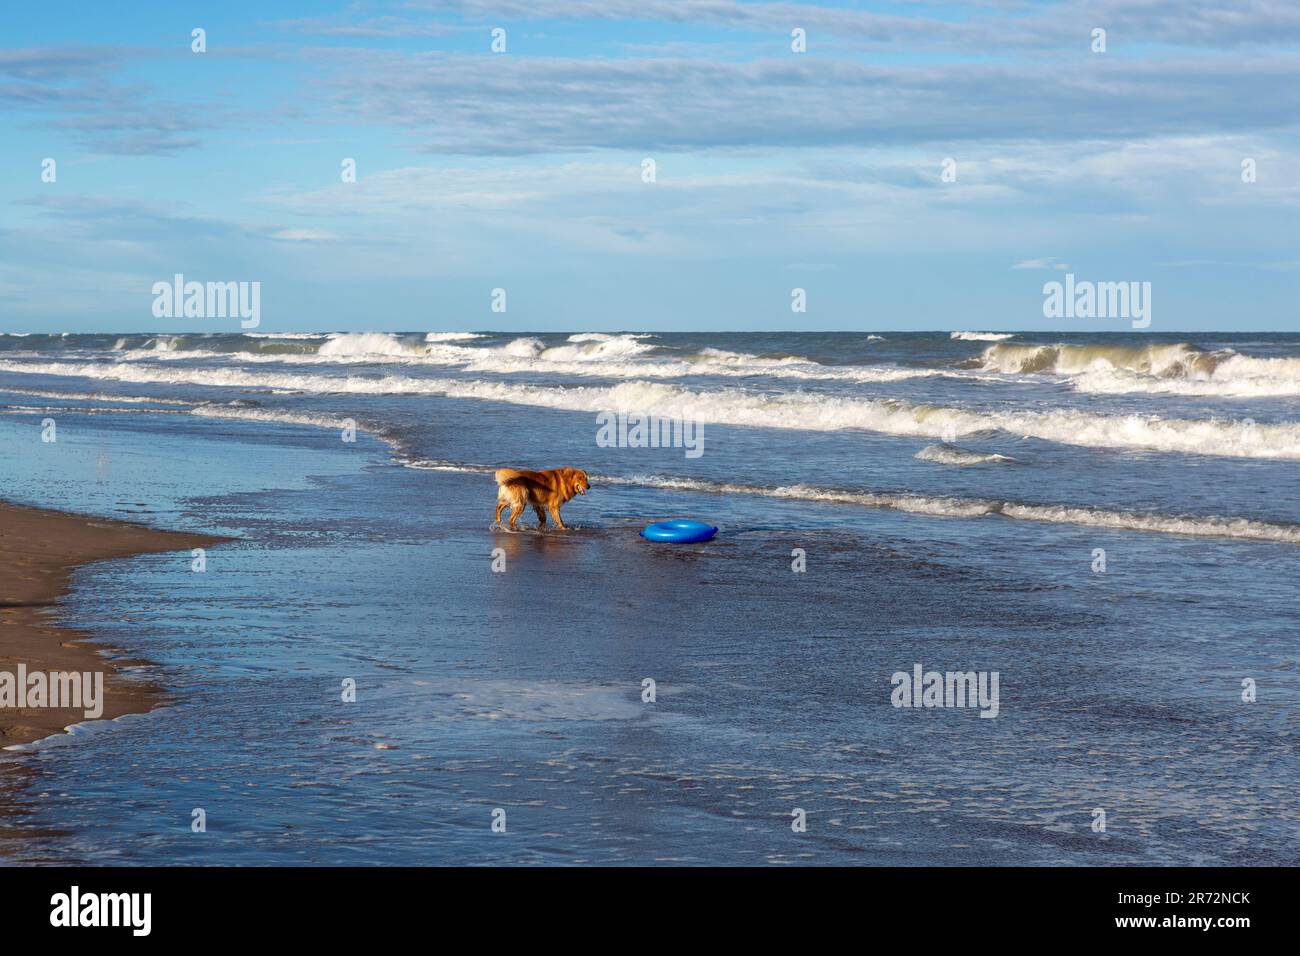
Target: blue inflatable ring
x=680 y=531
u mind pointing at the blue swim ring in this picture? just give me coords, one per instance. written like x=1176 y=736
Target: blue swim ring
x=679 y=531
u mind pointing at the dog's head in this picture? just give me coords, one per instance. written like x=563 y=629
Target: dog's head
x=577 y=481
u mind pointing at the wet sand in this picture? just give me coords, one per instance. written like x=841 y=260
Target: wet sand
x=39 y=550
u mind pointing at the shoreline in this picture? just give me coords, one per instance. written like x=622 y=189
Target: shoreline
x=39 y=551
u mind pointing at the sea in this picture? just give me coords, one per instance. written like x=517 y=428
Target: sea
x=371 y=673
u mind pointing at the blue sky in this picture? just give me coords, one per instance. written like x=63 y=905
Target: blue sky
x=775 y=169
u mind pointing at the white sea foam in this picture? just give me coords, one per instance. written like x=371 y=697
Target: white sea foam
x=982 y=336
x=606 y=336
x=714 y=356
x=708 y=362
x=523 y=348
x=286 y=335
x=597 y=347
x=91 y=396
x=205 y=410
x=1208 y=526
x=452 y=336
x=90 y=410
x=363 y=344
x=948 y=454
x=954 y=507
x=729 y=406
x=621 y=357
x=275 y=416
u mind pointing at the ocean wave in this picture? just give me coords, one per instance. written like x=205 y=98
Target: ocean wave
x=89 y=396
x=729 y=406
x=453 y=336
x=712 y=356
x=235 y=411
x=605 y=358
x=597 y=347
x=982 y=336
x=953 y=507
x=1234 y=376
x=949 y=454
x=1179 y=368
x=364 y=344
x=583 y=347
x=306 y=336
x=87 y=410
x=626 y=357
x=607 y=336
x=154 y=345
x=1157 y=359
x=275 y=416
x=585 y=354
x=939 y=506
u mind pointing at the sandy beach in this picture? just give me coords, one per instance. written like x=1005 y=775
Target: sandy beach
x=39 y=551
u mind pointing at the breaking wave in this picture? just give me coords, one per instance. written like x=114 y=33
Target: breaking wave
x=731 y=406
x=286 y=335
x=938 y=506
x=1179 y=368
x=453 y=336
x=365 y=344
x=982 y=336
x=597 y=347
x=592 y=355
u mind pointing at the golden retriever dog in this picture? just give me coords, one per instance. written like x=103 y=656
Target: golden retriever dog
x=546 y=491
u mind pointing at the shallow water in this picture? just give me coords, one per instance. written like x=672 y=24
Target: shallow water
x=522 y=690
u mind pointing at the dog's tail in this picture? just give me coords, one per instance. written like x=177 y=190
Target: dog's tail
x=504 y=475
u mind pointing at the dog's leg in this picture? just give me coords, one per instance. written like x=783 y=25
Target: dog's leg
x=541 y=517
x=515 y=511
x=555 y=514
x=501 y=506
